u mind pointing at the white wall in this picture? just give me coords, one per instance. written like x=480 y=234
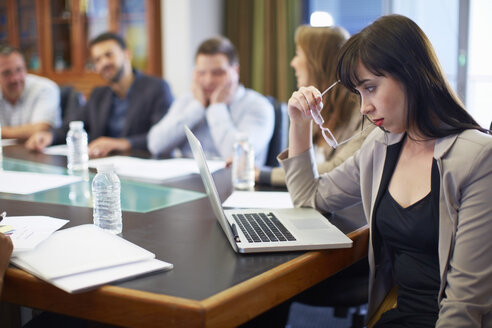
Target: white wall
x=185 y=24
x=479 y=83
x=439 y=21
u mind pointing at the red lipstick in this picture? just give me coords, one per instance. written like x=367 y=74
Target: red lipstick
x=379 y=121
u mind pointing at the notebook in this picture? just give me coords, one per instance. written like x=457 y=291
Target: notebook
x=287 y=229
x=84 y=257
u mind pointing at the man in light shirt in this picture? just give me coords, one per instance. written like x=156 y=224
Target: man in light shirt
x=28 y=103
x=217 y=109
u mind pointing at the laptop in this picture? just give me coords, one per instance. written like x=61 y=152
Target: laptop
x=268 y=230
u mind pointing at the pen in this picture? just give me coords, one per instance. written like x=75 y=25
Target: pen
x=234 y=232
x=3 y=215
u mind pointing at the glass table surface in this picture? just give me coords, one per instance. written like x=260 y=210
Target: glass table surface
x=135 y=196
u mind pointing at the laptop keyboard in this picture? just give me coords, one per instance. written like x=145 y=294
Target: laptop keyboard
x=262 y=227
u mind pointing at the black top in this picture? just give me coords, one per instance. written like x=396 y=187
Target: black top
x=411 y=236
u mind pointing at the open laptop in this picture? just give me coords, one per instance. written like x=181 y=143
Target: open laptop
x=278 y=229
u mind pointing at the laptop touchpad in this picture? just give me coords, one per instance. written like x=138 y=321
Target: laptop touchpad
x=309 y=224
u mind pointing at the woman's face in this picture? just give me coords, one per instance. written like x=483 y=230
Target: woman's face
x=383 y=100
x=299 y=64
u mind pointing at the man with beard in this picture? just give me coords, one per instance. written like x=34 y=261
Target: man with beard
x=28 y=103
x=118 y=116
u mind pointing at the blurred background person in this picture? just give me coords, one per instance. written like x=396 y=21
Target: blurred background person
x=118 y=116
x=28 y=103
x=315 y=64
x=217 y=109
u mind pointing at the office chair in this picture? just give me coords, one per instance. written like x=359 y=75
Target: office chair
x=349 y=288
x=278 y=142
x=71 y=102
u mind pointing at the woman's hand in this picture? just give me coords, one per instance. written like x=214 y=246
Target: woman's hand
x=302 y=102
x=300 y=105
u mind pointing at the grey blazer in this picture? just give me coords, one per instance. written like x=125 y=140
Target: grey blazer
x=465 y=216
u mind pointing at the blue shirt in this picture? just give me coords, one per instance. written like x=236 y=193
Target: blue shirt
x=116 y=121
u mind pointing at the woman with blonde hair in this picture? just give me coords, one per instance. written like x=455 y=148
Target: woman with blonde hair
x=315 y=64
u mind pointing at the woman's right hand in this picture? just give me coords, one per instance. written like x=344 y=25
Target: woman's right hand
x=300 y=105
x=302 y=102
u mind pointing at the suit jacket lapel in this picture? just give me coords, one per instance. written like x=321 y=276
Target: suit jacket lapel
x=392 y=154
x=134 y=103
x=104 y=115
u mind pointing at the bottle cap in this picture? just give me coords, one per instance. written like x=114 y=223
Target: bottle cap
x=76 y=125
x=106 y=167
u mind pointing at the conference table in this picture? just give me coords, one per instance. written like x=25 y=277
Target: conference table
x=209 y=286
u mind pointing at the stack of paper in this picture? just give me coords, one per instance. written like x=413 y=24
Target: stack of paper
x=57 y=150
x=27 y=232
x=154 y=170
x=84 y=257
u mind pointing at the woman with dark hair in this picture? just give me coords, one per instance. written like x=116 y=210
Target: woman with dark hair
x=423 y=178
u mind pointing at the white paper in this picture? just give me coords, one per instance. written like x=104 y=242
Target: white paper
x=29 y=231
x=84 y=257
x=8 y=142
x=88 y=280
x=81 y=249
x=56 y=150
x=24 y=183
x=259 y=199
x=154 y=170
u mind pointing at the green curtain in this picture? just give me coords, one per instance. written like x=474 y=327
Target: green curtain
x=263 y=33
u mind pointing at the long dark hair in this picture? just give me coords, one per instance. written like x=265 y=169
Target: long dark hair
x=394 y=45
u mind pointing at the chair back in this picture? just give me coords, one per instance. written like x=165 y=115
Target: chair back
x=279 y=139
x=71 y=102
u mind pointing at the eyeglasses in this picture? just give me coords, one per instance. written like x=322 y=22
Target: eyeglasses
x=325 y=132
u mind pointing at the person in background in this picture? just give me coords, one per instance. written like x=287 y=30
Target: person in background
x=426 y=203
x=6 y=248
x=28 y=103
x=216 y=109
x=315 y=64
x=118 y=116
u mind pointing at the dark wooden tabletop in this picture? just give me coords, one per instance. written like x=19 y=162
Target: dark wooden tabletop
x=186 y=235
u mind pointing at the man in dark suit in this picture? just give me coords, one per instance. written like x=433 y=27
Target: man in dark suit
x=118 y=116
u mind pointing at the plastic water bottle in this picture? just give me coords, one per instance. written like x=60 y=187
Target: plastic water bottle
x=243 y=164
x=106 y=197
x=78 y=158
